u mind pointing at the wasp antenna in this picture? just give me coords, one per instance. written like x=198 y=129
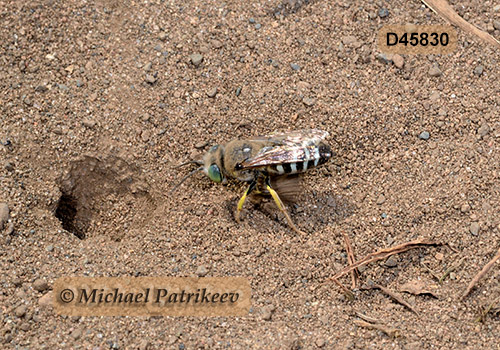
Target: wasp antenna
x=198 y=162
x=184 y=179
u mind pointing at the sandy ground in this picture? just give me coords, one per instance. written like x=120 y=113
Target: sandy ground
x=101 y=99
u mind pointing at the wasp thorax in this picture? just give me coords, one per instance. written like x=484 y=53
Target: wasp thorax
x=212 y=164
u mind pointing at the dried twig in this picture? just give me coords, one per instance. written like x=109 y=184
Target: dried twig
x=432 y=273
x=396 y=296
x=384 y=254
x=443 y=9
x=492 y=306
x=391 y=332
x=450 y=269
x=346 y=291
x=481 y=274
x=351 y=260
x=367 y=318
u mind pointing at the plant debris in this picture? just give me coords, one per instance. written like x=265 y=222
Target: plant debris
x=481 y=274
x=394 y=295
x=367 y=318
x=351 y=259
x=390 y=331
x=384 y=254
x=417 y=287
x=450 y=269
x=443 y=9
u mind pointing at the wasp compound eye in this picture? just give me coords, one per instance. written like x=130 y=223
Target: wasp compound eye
x=214 y=173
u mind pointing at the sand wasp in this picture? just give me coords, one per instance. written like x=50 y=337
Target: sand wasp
x=269 y=164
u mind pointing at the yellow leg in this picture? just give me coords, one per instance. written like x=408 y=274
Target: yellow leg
x=239 y=208
x=281 y=207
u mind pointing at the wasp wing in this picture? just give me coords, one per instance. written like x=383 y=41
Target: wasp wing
x=291 y=147
x=289 y=189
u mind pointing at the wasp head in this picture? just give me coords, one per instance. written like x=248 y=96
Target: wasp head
x=213 y=164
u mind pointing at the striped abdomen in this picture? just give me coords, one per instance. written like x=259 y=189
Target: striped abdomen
x=315 y=155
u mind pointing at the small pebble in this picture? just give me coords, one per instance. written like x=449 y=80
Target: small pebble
x=162 y=36
x=483 y=130
x=349 y=40
x=196 y=59
x=201 y=271
x=295 y=66
x=79 y=83
x=258 y=26
x=478 y=70
x=238 y=91
x=20 y=311
x=88 y=123
x=442 y=112
x=398 y=60
x=320 y=342
x=474 y=228
x=212 y=92
x=465 y=208
x=308 y=101
x=25 y=326
x=147 y=67
x=266 y=314
x=216 y=44
x=496 y=24
x=4 y=215
x=384 y=58
x=76 y=334
x=46 y=300
x=144 y=344
x=145 y=135
x=251 y=20
x=434 y=96
x=434 y=71
x=41 y=88
x=383 y=12
x=201 y=144
x=391 y=262
x=381 y=199
x=40 y=285
x=28 y=101
x=150 y=78
x=424 y=135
